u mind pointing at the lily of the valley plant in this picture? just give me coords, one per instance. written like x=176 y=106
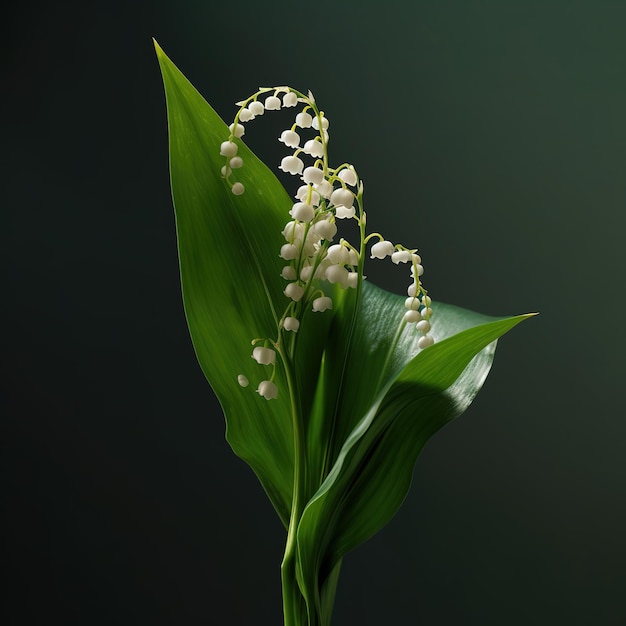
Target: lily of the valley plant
x=330 y=386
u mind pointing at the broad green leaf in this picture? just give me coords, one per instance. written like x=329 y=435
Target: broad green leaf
x=390 y=409
x=232 y=293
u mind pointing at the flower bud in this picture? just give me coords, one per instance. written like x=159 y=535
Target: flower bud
x=425 y=341
x=228 y=148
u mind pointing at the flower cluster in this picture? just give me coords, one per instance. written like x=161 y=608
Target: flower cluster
x=325 y=196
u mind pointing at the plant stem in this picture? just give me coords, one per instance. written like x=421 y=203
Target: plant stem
x=293 y=602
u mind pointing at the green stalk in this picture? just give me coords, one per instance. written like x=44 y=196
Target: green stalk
x=293 y=601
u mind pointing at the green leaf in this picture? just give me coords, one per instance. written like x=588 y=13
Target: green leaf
x=232 y=293
x=386 y=412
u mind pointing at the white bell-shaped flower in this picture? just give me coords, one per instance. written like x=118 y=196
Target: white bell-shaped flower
x=306 y=272
x=425 y=341
x=294 y=291
x=245 y=115
x=290 y=138
x=268 y=390
x=304 y=120
x=256 y=108
x=264 y=356
x=289 y=272
x=412 y=290
x=289 y=252
x=302 y=211
x=353 y=257
x=316 y=123
x=343 y=213
x=314 y=148
x=382 y=249
x=293 y=232
x=242 y=380
x=320 y=272
x=348 y=176
x=292 y=164
x=291 y=323
x=325 y=229
x=401 y=256
x=236 y=162
x=313 y=175
x=322 y=304
x=342 y=197
x=416 y=258
x=353 y=279
x=426 y=301
x=272 y=103
x=226 y=171
x=237 y=189
x=325 y=189
x=307 y=194
x=338 y=254
x=239 y=130
x=228 y=148
x=337 y=274
x=290 y=99
x=417 y=267
x=426 y=312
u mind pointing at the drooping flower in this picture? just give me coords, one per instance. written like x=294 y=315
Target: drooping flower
x=382 y=249
x=292 y=164
x=272 y=103
x=291 y=323
x=290 y=99
x=302 y=211
x=322 y=304
x=294 y=291
x=342 y=197
x=256 y=108
x=264 y=356
x=304 y=120
x=268 y=390
x=290 y=138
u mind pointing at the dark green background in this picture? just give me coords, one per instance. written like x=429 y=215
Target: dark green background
x=491 y=134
